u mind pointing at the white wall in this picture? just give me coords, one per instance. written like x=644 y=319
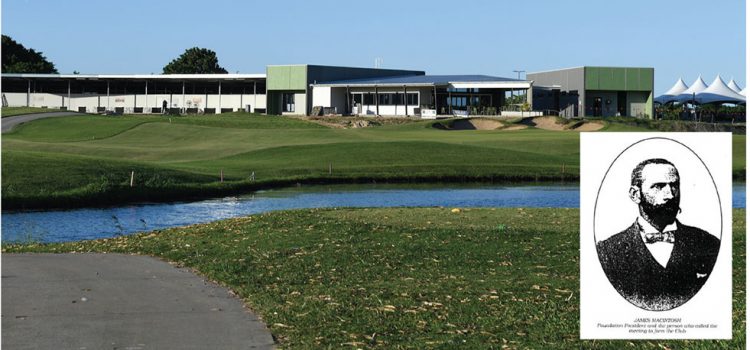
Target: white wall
x=128 y=102
x=321 y=96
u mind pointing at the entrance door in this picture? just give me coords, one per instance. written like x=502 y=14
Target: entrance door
x=597 y=106
x=621 y=104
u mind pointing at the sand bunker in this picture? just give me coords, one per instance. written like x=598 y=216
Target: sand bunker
x=589 y=126
x=546 y=123
x=475 y=124
x=550 y=123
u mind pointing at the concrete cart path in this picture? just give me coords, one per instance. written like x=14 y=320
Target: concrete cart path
x=114 y=301
x=8 y=123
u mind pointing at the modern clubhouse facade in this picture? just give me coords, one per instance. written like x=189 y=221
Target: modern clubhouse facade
x=315 y=89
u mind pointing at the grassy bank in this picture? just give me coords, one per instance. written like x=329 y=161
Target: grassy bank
x=87 y=160
x=11 y=111
x=403 y=278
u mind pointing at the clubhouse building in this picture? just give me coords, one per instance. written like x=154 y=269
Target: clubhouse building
x=315 y=90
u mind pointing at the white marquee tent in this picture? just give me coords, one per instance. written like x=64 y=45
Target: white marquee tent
x=694 y=89
x=671 y=94
x=733 y=85
x=719 y=92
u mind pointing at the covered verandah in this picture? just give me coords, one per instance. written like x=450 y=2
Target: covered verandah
x=425 y=96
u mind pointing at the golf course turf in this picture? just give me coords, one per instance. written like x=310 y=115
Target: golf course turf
x=403 y=277
x=84 y=161
x=344 y=278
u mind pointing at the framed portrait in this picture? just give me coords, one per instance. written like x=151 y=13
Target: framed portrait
x=656 y=235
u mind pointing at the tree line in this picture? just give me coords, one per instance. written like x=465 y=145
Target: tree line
x=16 y=58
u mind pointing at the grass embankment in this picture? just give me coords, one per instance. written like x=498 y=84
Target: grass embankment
x=11 y=111
x=87 y=160
x=404 y=278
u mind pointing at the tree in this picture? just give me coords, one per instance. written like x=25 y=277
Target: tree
x=195 y=61
x=18 y=59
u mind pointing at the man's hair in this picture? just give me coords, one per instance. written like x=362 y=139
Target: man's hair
x=636 y=178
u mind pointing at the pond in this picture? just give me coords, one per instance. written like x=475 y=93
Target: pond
x=82 y=224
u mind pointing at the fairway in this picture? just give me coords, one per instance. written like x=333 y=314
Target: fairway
x=414 y=278
x=87 y=160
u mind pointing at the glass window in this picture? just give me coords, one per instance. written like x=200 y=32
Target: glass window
x=287 y=104
x=369 y=99
x=356 y=98
x=385 y=99
x=412 y=99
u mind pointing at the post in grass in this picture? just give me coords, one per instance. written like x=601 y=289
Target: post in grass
x=330 y=168
x=221 y=175
x=132 y=177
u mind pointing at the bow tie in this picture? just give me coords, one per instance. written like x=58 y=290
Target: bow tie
x=667 y=237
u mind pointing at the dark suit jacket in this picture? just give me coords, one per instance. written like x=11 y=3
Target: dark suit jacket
x=640 y=279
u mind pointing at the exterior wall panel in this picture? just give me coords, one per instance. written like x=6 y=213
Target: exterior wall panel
x=286 y=77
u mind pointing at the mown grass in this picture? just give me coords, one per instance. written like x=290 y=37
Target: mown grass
x=404 y=277
x=11 y=111
x=62 y=158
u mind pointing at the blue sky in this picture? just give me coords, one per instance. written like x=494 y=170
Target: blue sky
x=677 y=38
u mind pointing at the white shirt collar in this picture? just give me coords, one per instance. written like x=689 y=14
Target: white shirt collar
x=646 y=227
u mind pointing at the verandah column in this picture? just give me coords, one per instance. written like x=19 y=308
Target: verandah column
x=406 y=108
x=348 y=101
x=68 y=94
x=377 y=101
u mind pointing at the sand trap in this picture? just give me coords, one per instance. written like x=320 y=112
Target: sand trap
x=589 y=126
x=546 y=123
x=550 y=123
x=475 y=124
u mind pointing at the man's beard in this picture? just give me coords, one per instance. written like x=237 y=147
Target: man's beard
x=660 y=215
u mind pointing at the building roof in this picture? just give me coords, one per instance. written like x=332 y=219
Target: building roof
x=427 y=80
x=136 y=76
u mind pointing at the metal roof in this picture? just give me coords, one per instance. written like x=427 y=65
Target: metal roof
x=429 y=80
x=136 y=76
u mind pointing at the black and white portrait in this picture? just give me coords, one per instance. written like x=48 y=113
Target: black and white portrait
x=657 y=262
x=653 y=219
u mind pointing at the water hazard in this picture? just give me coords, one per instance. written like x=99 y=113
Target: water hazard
x=82 y=224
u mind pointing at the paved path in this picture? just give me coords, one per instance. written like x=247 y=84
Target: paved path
x=8 y=123
x=113 y=301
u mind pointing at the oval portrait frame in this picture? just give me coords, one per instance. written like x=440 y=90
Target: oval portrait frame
x=597 y=203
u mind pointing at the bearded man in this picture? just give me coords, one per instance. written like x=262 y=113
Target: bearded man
x=658 y=263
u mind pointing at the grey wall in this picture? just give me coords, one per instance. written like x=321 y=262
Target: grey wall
x=568 y=79
x=607 y=110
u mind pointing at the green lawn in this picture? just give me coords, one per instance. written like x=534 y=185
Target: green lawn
x=87 y=160
x=404 y=277
x=11 y=111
